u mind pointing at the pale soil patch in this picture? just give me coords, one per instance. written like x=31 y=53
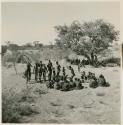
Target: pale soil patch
x=100 y=105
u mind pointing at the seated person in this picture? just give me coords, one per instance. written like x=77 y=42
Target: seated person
x=83 y=76
x=50 y=84
x=72 y=84
x=93 y=83
x=78 y=84
x=65 y=86
x=89 y=75
x=59 y=82
x=102 y=81
x=57 y=85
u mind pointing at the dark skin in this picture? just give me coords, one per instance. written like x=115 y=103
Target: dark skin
x=40 y=71
x=44 y=70
x=49 y=66
x=36 y=70
x=58 y=68
x=72 y=71
x=28 y=72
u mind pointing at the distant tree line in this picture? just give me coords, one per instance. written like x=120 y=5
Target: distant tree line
x=15 y=47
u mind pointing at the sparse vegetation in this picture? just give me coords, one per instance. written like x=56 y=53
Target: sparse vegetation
x=14 y=106
x=89 y=41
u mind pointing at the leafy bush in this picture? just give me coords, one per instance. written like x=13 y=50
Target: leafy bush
x=112 y=60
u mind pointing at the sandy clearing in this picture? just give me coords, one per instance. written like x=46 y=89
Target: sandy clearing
x=77 y=106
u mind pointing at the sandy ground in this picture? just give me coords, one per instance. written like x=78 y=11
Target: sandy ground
x=100 y=105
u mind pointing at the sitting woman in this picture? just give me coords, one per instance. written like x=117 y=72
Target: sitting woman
x=102 y=81
x=50 y=84
x=58 y=83
x=83 y=76
x=78 y=84
x=72 y=84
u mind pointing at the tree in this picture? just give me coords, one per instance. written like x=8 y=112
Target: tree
x=69 y=35
x=88 y=39
x=8 y=43
x=37 y=44
x=40 y=45
x=13 y=47
x=4 y=49
x=28 y=45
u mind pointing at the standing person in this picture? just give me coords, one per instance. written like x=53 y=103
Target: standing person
x=64 y=71
x=95 y=60
x=83 y=63
x=72 y=72
x=28 y=71
x=54 y=73
x=79 y=67
x=102 y=81
x=49 y=66
x=36 y=71
x=58 y=68
x=44 y=70
x=40 y=71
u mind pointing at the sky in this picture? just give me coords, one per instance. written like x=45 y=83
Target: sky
x=24 y=22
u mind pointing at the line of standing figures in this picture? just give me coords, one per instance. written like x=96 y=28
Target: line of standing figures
x=41 y=70
x=63 y=82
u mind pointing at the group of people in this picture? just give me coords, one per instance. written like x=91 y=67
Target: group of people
x=58 y=79
x=82 y=62
x=70 y=83
x=93 y=80
x=41 y=71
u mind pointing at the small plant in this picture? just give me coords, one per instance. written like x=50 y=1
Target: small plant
x=27 y=109
x=41 y=91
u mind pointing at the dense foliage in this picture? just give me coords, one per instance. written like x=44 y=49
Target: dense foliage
x=88 y=39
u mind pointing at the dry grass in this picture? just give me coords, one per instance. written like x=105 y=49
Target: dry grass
x=14 y=106
x=40 y=91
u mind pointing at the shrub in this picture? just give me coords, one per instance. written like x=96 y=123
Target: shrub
x=40 y=91
x=14 y=106
x=27 y=109
x=10 y=109
x=3 y=49
x=112 y=60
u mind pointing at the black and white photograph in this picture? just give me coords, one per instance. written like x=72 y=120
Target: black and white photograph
x=61 y=62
